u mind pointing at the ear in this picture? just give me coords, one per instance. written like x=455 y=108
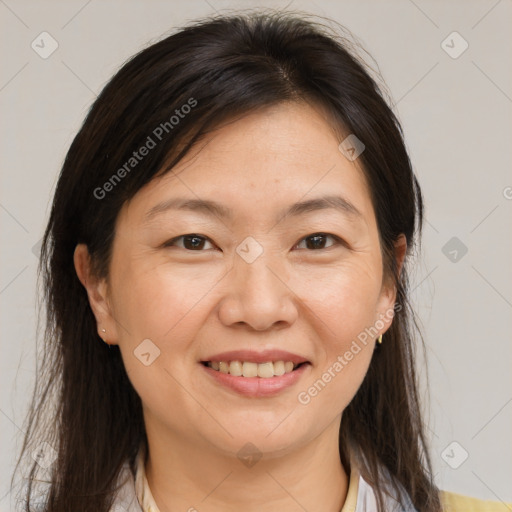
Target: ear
x=97 y=292
x=385 y=310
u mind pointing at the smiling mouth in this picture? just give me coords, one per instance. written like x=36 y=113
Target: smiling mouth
x=249 y=369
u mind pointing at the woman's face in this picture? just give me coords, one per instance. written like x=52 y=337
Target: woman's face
x=260 y=246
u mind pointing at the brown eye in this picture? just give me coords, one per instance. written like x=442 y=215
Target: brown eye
x=191 y=242
x=316 y=241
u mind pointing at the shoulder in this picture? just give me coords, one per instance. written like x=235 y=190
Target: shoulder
x=453 y=502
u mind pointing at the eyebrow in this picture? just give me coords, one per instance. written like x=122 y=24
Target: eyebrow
x=214 y=209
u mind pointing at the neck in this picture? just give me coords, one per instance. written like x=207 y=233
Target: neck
x=183 y=476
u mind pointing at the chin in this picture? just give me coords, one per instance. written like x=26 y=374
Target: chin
x=273 y=438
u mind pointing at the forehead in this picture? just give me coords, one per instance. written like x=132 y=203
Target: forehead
x=273 y=157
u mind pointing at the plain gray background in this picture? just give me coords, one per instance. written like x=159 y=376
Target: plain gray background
x=456 y=114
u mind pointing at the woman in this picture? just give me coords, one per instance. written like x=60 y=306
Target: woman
x=234 y=220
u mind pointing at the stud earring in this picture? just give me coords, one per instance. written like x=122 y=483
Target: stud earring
x=379 y=339
x=104 y=330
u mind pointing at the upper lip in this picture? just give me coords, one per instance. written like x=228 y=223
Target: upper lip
x=253 y=356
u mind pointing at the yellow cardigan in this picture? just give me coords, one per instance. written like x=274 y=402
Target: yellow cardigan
x=456 y=503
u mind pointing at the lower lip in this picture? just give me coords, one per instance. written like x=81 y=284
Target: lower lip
x=258 y=386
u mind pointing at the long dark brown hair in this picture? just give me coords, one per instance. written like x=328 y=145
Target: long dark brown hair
x=84 y=406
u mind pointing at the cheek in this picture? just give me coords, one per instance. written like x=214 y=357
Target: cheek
x=343 y=303
x=167 y=306
x=336 y=384
x=342 y=361
x=344 y=296
x=163 y=305
x=154 y=300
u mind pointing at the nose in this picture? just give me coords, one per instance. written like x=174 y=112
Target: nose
x=258 y=295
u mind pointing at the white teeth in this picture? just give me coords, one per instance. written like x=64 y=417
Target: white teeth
x=266 y=370
x=235 y=368
x=249 y=369
x=279 y=368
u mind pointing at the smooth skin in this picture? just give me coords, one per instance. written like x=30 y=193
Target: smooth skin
x=194 y=298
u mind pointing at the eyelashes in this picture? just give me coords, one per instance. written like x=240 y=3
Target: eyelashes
x=317 y=236
x=192 y=239
x=193 y=242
